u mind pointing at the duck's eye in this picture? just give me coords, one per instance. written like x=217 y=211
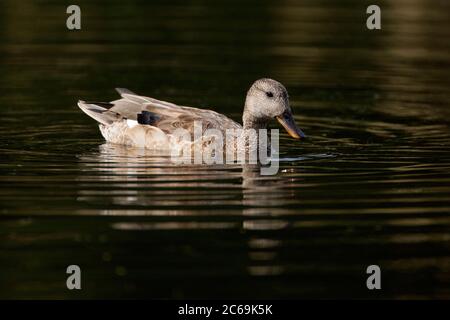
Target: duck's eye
x=269 y=94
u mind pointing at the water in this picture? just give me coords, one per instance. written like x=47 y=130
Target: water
x=370 y=186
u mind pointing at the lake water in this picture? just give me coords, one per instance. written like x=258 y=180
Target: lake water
x=370 y=186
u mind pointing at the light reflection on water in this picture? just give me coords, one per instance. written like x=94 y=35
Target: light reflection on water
x=370 y=186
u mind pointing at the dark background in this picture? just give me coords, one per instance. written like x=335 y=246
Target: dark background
x=370 y=186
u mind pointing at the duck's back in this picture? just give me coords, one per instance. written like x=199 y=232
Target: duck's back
x=145 y=121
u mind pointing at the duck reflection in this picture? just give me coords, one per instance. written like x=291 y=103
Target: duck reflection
x=135 y=177
x=134 y=182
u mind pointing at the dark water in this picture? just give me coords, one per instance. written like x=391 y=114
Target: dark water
x=371 y=186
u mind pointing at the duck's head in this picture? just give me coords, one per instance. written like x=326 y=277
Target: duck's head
x=268 y=99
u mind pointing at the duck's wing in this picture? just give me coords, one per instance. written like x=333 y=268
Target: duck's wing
x=167 y=116
x=170 y=119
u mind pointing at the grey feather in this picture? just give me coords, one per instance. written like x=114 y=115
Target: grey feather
x=99 y=113
x=169 y=116
x=124 y=91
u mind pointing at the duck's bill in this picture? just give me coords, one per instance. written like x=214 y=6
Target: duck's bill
x=288 y=122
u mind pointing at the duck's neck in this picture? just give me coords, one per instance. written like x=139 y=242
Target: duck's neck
x=251 y=122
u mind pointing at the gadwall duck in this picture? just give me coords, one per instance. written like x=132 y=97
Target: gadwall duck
x=141 y=121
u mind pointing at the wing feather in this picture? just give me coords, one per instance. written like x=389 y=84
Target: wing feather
x=171 y=116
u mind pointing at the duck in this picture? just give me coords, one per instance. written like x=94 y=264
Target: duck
x=145 y=122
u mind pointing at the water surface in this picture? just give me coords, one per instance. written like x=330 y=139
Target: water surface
x=370 y=186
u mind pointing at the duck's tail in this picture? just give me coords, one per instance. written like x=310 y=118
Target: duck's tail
x=99 y=111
